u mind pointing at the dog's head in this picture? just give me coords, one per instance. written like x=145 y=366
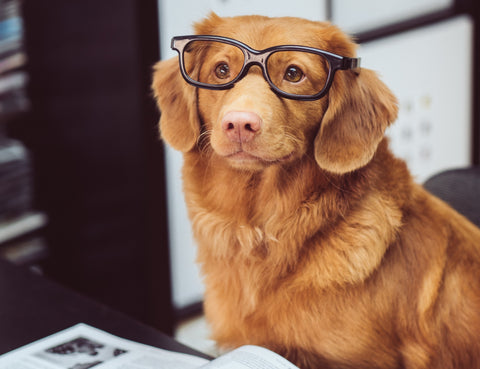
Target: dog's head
x=250 y=125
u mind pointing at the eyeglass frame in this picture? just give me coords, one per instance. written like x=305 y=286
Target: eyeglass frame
x=260 y=58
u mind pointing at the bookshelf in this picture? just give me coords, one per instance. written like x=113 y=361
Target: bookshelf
x=89 y=126
x=20 y=224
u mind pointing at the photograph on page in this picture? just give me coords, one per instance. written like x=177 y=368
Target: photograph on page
x=80 y=353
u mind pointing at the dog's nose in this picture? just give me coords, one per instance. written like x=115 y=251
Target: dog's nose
x=241 y=126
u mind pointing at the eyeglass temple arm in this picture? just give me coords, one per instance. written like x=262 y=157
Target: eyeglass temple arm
x=351 y=63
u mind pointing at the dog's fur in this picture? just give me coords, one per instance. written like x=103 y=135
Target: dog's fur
x=317 y=244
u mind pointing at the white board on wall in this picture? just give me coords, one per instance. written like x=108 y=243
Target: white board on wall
x=429 y=69
x=176 y=17
x=355 y=16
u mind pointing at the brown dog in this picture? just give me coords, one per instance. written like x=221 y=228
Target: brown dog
x=313 y=239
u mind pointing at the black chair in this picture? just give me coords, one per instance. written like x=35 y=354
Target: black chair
x=460 y=188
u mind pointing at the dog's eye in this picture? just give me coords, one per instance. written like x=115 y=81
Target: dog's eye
x=293 y=74
x=222 y=70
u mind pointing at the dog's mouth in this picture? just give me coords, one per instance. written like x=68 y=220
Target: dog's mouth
x=242 y=158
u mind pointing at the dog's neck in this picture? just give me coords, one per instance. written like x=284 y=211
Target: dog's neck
x=254 y=197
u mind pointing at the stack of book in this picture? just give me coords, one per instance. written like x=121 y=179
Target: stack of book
x=15 y=171
x=13 y=77
x=15 y=180
x=17 y=219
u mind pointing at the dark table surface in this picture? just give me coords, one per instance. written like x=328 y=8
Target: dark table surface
x=32 y=307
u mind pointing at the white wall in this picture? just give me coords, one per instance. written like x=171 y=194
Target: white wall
x=176 y=18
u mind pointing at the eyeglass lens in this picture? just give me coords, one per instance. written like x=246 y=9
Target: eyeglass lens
x=294 y=72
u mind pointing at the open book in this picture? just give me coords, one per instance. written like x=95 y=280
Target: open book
x=84 y=347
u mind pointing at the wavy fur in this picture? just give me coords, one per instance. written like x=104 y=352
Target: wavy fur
x=327 y=252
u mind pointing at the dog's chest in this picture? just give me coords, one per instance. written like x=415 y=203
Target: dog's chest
x=267 y=263
x=245 y=307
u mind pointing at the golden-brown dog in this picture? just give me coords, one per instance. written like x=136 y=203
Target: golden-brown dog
x=313 y=239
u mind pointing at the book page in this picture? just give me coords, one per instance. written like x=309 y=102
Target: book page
x=84 y=347
x=250 y=357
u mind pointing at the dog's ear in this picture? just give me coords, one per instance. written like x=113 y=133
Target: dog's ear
x=177 y=100
x=360 y=108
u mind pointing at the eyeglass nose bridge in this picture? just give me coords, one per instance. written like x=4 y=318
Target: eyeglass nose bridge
x=255 y=58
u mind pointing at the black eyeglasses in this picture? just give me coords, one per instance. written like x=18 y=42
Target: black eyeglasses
x=292 y=71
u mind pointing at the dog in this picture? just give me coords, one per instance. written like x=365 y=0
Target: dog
x=313 y=239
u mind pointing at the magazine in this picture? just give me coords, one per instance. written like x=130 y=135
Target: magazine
x=84 y=347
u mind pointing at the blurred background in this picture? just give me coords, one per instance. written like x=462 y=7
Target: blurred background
x=91 y=198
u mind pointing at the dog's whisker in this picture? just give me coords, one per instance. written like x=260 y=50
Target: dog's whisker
x=203 y=139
